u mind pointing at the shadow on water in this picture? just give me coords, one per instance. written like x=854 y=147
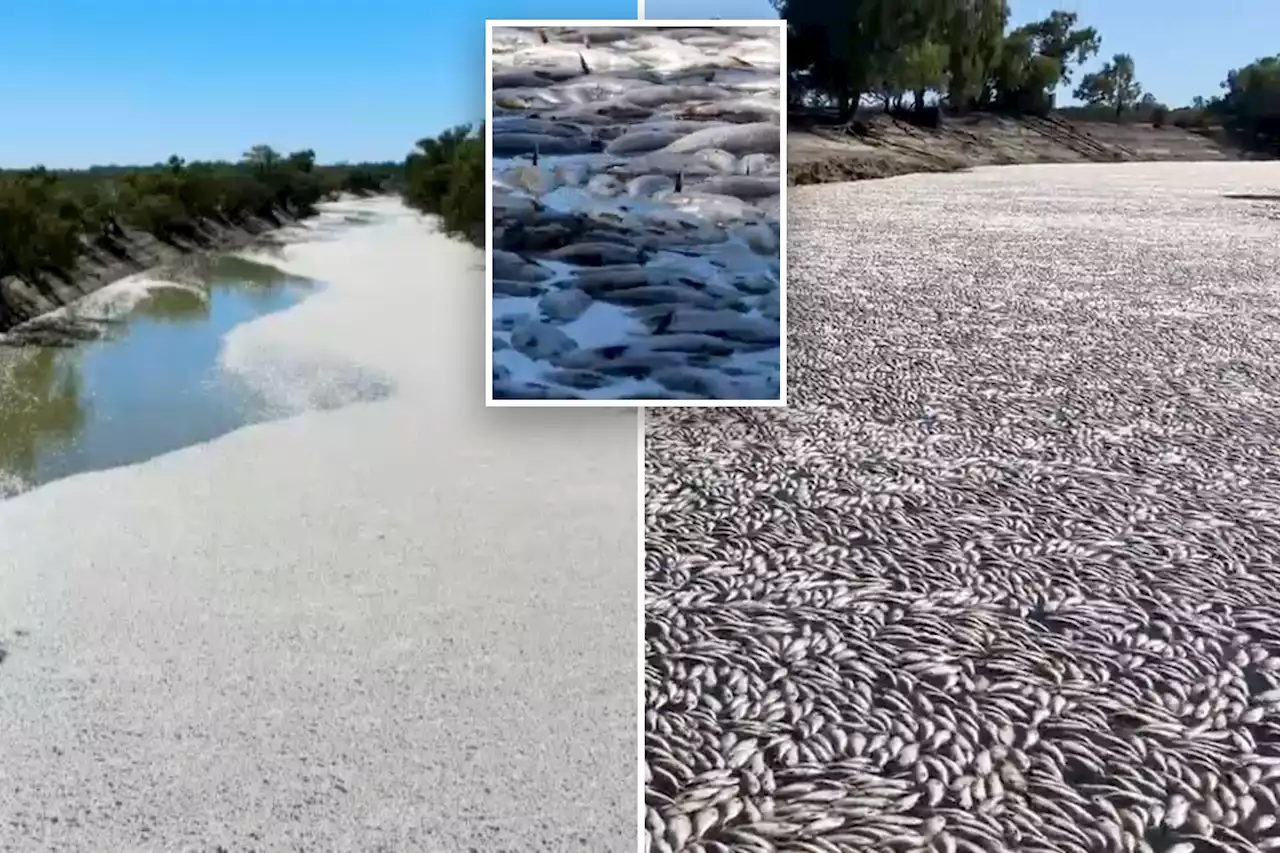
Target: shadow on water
x=153 y=385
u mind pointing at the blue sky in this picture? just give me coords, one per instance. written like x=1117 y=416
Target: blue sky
x=127 y=81
x=1226 y=34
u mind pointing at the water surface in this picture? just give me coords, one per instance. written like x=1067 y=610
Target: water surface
x=152 y=385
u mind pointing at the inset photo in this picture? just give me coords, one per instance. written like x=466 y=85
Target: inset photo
x=636 y=247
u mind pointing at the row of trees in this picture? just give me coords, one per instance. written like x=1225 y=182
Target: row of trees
x=965 y=55
x=446 y=176
x=48 y=218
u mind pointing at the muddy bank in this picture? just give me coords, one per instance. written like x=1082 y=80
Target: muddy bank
x=26 y=306
x=885 y=146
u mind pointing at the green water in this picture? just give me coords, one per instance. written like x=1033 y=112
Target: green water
x=151 y=386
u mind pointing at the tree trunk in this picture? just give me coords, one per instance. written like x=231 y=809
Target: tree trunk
x=842 y=103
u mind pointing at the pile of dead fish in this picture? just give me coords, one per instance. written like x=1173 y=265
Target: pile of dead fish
x=636 y=176
x=1004 y=574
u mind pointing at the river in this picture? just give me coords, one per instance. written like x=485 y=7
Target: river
x=151 y=385
x=350 y=627
x=1018 y=524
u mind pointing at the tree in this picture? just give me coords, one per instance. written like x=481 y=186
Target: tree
x=841 y=48
x=921 y=68
x=303 y=161
x=429 y=169
x=1021 y=78
x=1113 y=86
x=974 y=36
x=261 y=158
x=1250 y=105
x=1057 y=38
x=915 y=53
x=446 y=176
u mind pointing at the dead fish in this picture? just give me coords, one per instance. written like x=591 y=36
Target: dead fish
x=641 y=141
x=515 y=144
x=739 y=139
x=740 y=186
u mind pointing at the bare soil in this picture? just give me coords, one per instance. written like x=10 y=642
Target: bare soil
x=22 y=302
x=885 y=146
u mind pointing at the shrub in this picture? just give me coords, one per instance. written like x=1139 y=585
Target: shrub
x=446 y=176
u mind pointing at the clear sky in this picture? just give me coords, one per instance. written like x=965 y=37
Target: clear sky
x=1181 y=48
x=133 y=81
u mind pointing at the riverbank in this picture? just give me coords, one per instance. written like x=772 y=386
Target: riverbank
x=27 y=307
x=351 y=629
x=888 y=147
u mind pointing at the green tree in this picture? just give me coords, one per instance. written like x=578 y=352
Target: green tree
x=841 y=48
x=1114 y=86
x=262 y=158
x=446 y=176
x=1057 y=37
x=911 y=56
x=303 y=161
x=1022 y=79
x=924 y=69
x=429 y=170
x=974 y=33
x=1250 y=105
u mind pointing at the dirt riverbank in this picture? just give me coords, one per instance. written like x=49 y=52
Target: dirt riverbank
x=25 y=306
x=886 y=146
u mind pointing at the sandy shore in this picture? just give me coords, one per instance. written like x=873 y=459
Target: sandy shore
x=636 y=185
x=401 y=625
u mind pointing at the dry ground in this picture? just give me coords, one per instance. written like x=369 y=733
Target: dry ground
x=893 y=147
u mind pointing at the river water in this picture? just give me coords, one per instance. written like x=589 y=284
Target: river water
x=152 y=385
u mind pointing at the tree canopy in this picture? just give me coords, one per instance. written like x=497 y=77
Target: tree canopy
x=446 y=176
x=1114 y=86
x=1250 y=104
x=959 y=49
